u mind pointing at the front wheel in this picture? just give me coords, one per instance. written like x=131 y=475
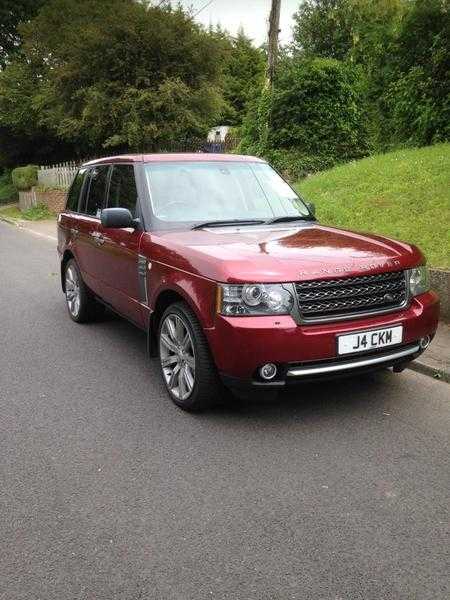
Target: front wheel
x=188 y=370
x=81 y=304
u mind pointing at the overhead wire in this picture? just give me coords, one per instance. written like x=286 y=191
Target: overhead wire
x=202 y=9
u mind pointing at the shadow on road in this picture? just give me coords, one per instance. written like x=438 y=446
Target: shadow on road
x=311 y=401
x=320 y=399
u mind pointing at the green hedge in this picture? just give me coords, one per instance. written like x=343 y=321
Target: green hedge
x=25 y=178
x=319 y=107
x=295 y=165
x=315 y=117
x=8 y=192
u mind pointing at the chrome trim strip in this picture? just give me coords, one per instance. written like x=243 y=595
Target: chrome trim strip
x=373 y=360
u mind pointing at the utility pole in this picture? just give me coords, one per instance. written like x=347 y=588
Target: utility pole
x=272 y=51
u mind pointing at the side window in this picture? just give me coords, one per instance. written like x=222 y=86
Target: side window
x=74 y=192
x=98 y=177
x=122 y=188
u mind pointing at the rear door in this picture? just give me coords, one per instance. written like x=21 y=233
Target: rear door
x=68 y=220
x=120 y=248
x=87 y=243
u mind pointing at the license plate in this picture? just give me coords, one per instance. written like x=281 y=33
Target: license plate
x=370 y=340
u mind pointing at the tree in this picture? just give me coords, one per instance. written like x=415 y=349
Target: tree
x=114 y=74
x=242 y=76
x=358 y=30
x=323 y=28
x=402 y=46
x=418 y=96
x=22 y=138
x=13 y=12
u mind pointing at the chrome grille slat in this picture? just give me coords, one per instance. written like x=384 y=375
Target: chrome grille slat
x=352 y=303
x=347 y=296
x=325 y=283
x=359 y=290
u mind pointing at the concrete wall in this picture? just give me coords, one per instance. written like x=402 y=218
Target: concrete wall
x=440 y=283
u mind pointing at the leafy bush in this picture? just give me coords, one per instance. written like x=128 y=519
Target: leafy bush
x=295 y=165
x=36 y=213
x=318 y=107
x=416 y=120
x=8 y=192
x=254 y=129
x=24 y=178
x=418 y=98
x=316 y=117
x=402 y=46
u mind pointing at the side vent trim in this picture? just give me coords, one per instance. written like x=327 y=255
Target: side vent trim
x=142 y=274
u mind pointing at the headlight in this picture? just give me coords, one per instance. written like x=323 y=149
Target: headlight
x=419 y=280
x=255 y=299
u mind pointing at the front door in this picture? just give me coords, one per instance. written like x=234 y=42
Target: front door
x=120 y=248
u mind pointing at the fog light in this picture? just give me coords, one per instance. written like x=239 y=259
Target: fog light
x=425 y=342
x=268 y=371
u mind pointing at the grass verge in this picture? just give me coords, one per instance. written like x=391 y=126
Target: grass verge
x=35 y=213
x=403 y=195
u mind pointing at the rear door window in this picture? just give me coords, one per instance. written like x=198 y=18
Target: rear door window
x=75 y=189
x=122 y=189
x=95 y=201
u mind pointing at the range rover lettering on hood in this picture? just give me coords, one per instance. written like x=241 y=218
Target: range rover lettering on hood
x=352 y=267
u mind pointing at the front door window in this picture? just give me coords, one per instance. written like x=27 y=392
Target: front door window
x=122 y=188
x=95 y=201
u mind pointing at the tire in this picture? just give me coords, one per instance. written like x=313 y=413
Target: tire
x=196 y=384
x=81 y=304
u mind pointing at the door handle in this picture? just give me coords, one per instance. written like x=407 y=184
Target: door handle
x=98 y=237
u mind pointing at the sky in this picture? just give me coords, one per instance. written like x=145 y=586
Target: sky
x=251 y=14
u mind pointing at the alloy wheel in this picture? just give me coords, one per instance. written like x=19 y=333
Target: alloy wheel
x=176 y=351
x=73 y=297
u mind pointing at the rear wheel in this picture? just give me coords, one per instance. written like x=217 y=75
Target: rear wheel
x=188 y=370
x=81 y=303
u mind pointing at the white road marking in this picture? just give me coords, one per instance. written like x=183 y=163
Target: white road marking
x=38 y=233
x=43 y=235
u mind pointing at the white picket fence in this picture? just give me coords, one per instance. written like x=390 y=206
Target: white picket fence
x=60 y=175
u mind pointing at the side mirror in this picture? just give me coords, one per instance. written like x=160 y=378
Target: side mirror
x=312 y=208
x=117 y=218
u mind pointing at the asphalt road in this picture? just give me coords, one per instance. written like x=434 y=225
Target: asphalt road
x=336 y=491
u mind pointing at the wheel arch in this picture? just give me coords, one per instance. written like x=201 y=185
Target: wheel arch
x=65 y=259
x=165 y=298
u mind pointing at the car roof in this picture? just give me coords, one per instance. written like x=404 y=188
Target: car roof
x=171 y=157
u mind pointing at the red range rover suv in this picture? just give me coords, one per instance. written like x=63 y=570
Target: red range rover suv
x=226 y=268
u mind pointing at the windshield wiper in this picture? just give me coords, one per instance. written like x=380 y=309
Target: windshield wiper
x=288 y=218
x=228 y=222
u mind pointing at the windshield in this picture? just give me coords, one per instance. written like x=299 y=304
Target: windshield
x=186 y=193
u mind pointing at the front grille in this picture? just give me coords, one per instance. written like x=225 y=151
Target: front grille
x=348 y=296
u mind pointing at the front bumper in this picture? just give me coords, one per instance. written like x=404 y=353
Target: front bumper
x=240 y=345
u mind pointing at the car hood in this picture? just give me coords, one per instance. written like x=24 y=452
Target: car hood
x=281 y=253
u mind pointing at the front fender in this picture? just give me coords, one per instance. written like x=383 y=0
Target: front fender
x=198 y=292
